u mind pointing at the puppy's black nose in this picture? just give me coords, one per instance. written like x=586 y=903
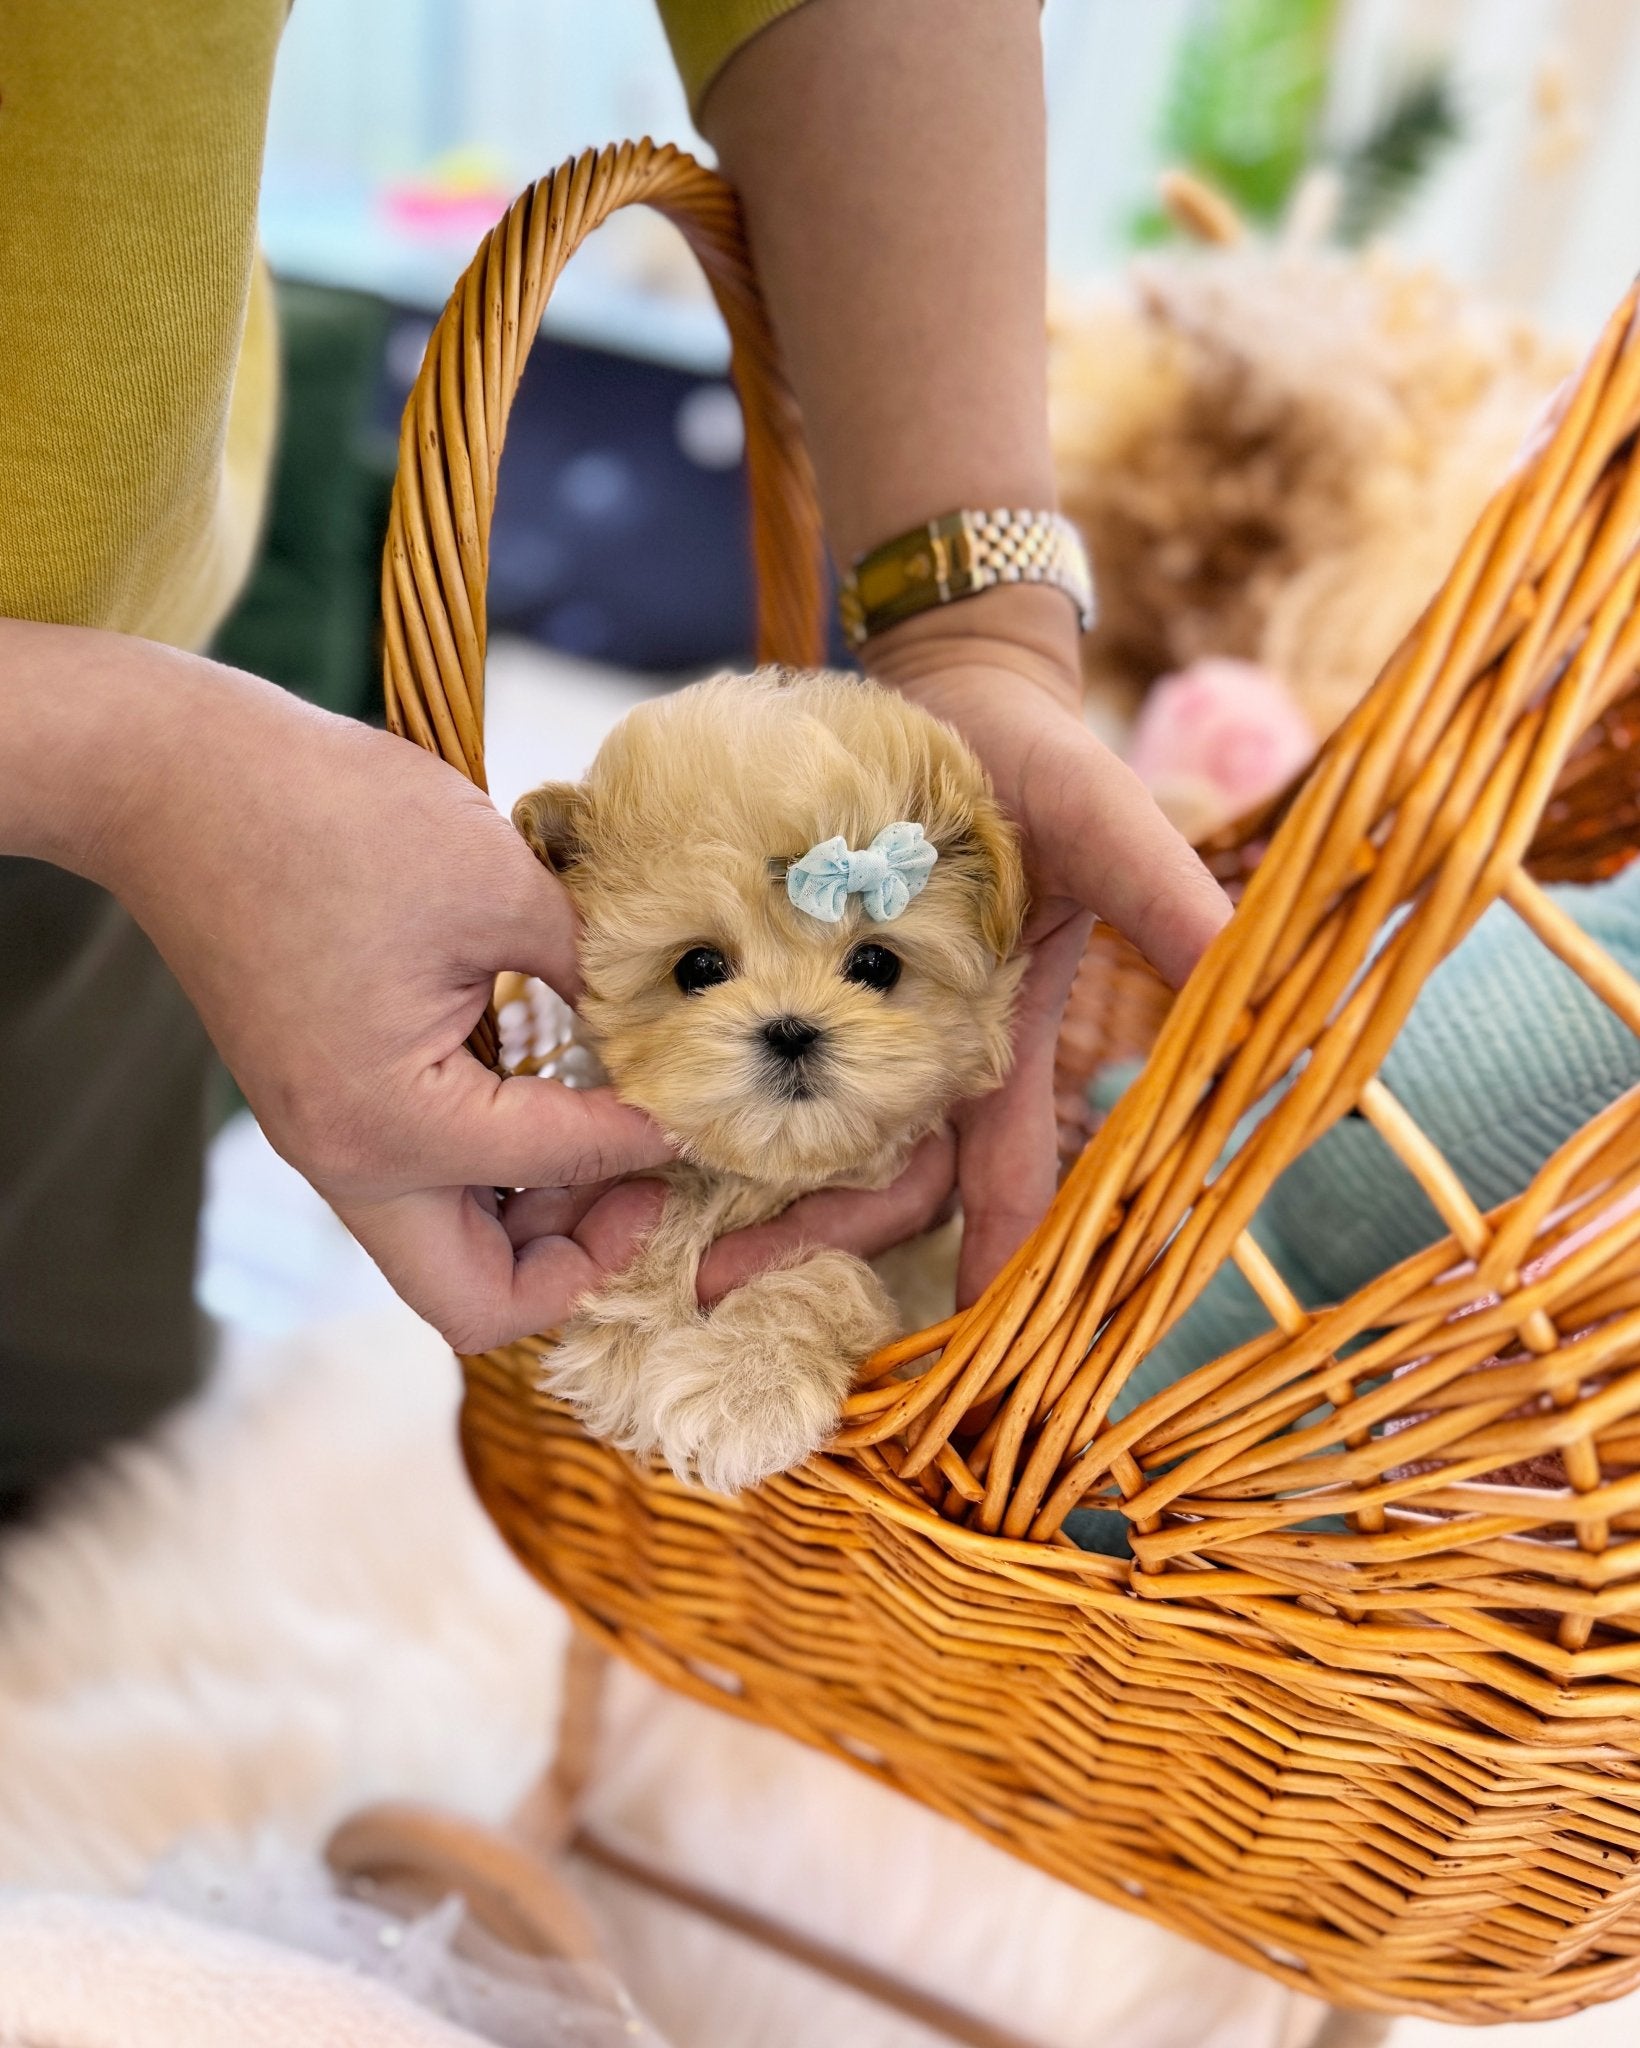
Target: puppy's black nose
x=788 y=1038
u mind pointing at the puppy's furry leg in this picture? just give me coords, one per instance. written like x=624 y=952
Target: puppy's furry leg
x=755 y=1387
x=596 y=1364
x=733 y=1395
x=594 y=1368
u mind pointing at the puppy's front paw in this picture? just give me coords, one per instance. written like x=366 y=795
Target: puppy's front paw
x=756 y=1388
x=594 y=1368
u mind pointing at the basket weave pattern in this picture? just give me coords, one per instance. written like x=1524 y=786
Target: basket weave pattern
x=1398 y=1764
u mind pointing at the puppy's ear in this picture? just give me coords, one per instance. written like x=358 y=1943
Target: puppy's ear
x=989 y=850
x=550 y=818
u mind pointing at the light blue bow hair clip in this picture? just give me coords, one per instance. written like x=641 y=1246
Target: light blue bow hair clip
x=884 y=875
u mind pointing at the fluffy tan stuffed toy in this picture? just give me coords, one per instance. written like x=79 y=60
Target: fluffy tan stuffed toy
x=1274 y=451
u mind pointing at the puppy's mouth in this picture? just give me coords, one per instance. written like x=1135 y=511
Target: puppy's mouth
x=794 y=1058
x=795 y=1080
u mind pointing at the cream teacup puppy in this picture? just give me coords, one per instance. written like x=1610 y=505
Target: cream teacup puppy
x=800 y=907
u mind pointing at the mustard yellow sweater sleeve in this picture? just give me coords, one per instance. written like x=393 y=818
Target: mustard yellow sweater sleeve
x=705 y=34
x=136 y=338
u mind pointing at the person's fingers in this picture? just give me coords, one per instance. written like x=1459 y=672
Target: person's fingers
x=864 y=1222
x=619 y=1221
x=602 y=1216
x=548 y=1212
x=1103 y=841
x=481 y=1130
x=451 y=1259
x=1007 y=1142
x=531 y=926
x=456 y=1262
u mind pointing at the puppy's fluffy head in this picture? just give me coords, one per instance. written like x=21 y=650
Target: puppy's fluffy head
x=766 y=1042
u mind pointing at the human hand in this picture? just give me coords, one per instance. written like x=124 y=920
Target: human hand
x=336 y=904
x=1003 y=670
x=849 y=1220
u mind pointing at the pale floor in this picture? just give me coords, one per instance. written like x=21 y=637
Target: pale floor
x=274 y=1258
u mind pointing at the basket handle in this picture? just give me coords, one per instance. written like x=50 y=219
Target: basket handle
x=436 y=563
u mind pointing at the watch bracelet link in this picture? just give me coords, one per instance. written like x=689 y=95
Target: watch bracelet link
x=960 y=555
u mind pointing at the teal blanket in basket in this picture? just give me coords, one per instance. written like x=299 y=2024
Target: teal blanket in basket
x=1504 y=1056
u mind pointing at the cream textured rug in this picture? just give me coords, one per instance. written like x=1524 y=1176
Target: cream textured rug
x=287 y=1604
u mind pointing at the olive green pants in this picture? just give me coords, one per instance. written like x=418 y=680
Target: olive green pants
x=103 y=1081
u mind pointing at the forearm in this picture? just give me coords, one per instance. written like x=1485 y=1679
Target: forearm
x=890 y=159
x=114 y=746
x=85 y=716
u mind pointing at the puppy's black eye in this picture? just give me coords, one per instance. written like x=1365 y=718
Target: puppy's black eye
x=872 y=967
x=701 y=967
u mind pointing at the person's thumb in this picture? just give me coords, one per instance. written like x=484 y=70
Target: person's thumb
x=529 y=1132
x=531 y=924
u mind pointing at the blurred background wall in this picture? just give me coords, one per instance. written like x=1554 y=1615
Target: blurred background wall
x=1539 y=200
x=1498 y=140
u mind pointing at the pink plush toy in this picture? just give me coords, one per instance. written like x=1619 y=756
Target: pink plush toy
x=1216 y=738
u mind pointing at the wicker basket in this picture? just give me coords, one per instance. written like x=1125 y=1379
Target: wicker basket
x=1397 y=1766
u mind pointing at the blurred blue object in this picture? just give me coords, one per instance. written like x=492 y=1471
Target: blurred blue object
x=399 y=130
x=621 y=528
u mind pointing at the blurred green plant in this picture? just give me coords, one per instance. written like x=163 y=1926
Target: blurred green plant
x=1382 y=171
x=1248 y=87
x=1244 y=111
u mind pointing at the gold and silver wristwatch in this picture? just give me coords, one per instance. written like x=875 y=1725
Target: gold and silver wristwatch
x=960 y=555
